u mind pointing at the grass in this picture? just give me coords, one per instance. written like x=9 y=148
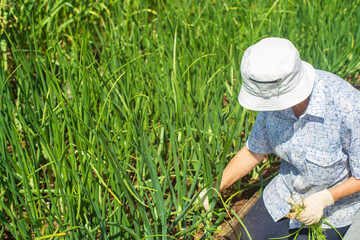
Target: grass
x=115 y=114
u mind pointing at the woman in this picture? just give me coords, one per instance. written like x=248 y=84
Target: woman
x=311 y=120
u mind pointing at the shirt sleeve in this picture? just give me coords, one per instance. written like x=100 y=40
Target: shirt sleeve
x=354 y=148
x=258 y=141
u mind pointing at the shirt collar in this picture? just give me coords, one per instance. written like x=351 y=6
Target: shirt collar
x=316 y=106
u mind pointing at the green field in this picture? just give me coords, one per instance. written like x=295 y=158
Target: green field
x=115 y=114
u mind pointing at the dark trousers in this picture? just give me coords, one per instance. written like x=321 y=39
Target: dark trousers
x=261 y=226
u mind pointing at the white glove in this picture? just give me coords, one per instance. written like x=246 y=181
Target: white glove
x=205 y=200
x=314 y=206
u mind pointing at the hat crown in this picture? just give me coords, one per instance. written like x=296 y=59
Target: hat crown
x=271 y=67
x=270 y=59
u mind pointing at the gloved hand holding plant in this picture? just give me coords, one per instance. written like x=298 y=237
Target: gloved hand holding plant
x=203 y=197
x=311 y=210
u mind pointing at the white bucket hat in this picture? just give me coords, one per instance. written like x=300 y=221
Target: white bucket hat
x=274 y=77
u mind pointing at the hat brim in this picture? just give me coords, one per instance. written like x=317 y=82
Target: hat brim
x=283 y=101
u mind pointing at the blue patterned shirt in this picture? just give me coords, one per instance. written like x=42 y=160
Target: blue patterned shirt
x=319 y=150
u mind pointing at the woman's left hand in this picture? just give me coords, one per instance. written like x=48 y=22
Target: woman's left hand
x=314 y=206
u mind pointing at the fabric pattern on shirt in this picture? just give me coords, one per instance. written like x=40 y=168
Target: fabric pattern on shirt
x=319 y=150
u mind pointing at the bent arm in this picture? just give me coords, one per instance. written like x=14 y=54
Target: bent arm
x=240 y=165
x=350 y=186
